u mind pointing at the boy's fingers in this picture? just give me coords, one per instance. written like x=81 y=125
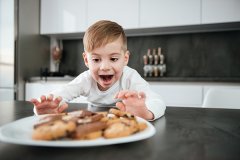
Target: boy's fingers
x=121 y=106
x=63 y=107
x=58 y=100
x=121 y=94
x=41 y=111
x=116 y=95
x=42 y=105
x=43 y=98
x=50 y=97
x=141 y=95
x=131 y=93
x=46 y=111
x=35 y=102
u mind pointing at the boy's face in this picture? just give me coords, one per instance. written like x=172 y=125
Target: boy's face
x=106 y=63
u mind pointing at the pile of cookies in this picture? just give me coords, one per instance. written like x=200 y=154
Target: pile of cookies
x=87 y=125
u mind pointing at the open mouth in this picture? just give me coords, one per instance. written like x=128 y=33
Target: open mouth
x=106 y=78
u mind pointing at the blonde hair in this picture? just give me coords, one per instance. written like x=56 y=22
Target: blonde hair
x=101 y=33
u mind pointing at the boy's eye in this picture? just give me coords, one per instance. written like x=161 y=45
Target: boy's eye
x=96 y=60
x=114 y=59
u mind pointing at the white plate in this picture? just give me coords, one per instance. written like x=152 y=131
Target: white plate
x=20 y=131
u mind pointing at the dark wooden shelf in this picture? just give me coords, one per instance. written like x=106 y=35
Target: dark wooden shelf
x=217 y=27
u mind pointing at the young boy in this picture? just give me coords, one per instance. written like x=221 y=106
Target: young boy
x=108 y=80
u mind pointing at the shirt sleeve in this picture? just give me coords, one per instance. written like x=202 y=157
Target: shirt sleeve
x=80 y=86
x=154 y=101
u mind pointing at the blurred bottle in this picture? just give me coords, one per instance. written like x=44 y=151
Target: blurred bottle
x=57 y=55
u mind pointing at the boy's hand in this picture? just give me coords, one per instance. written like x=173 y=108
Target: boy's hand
x=134 y=103
x=49 y=105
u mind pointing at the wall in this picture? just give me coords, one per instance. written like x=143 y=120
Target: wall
x=212 y=54
x=32 y=50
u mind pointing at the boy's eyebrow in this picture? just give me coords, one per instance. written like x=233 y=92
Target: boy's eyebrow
x=96 y=54
x=115 y=54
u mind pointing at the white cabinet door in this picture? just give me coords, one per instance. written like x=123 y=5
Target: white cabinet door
x=63 y=16
x=217 y=11
x=124 y=12
x=158 y=13
x=179 y=94
x=231 y=86
x=35 y=90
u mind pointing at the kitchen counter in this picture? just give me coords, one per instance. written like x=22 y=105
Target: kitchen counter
x=150 y=79
x=51 y=79
x=183 y=133
x=193 y=79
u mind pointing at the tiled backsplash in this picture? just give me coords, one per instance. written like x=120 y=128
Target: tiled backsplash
x=212 y=54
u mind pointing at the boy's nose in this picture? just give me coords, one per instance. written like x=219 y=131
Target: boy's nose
x=105 y=66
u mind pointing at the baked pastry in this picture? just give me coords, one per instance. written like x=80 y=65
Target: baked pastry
x=119 y=113
x=87 y=125
x=89 y=130
x=53 y=130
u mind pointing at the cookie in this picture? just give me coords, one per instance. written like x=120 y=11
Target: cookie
x=80 y=113
x=142 y=126
x=121 y=113
x=54 y=130
x=87 y=128
x=76 y=115
x=93 y=135
x=44 y=120
x=117 y=130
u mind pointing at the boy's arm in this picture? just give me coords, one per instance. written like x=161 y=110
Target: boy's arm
x=135 y=102
x=80 y=86
x=155 y=104
x=153 y=101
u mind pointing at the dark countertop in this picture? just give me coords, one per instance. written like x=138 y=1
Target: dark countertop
x=183 y=133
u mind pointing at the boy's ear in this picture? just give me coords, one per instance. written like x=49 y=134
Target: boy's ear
x=85 y=58
x=126 y=57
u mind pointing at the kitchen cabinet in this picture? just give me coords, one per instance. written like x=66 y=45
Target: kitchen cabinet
x=63 y=16
x=218 y=11
x=181 y=94
x=187 y=94
x=178 y=94
x=74 y=16
x=124 y=12
x=159 y=13
x=36 y=89
x=207 y=87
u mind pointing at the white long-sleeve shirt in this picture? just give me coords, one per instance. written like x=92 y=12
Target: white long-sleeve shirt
x=85 y=85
